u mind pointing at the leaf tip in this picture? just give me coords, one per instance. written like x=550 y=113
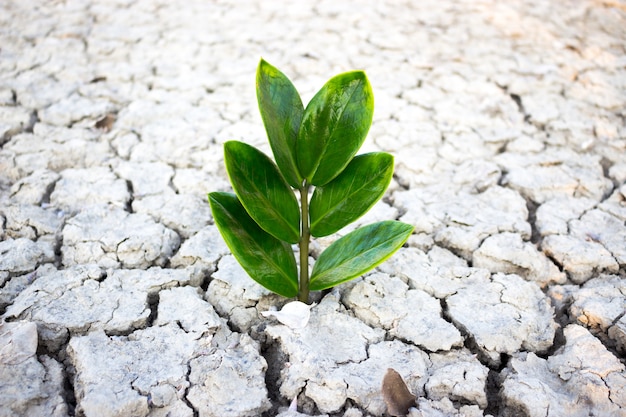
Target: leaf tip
x=259 y=69
x=295 y=314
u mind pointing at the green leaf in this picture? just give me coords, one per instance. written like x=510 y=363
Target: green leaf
x=268 y=199
x=268 y=261
x=281 y=110
x=351 y=194
x=358 y=252
x=334 y=126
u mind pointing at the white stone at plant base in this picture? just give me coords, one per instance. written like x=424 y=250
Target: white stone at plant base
x=461 y=221
x=34 y=188
x=81 y=188
x=509 y=254
x=19 y=256
x=599 y=304
x=31 y=385
x=78 y=299
x=184 y=213
x=582 y=378
x=294 y=314
x=503 y=314
x=112 y=237
x=233 y=293
x=387 y=302
x=337 y=357
x=555 y=173
x=580 y=259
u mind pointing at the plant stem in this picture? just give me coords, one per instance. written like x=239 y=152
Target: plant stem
x=303 y=291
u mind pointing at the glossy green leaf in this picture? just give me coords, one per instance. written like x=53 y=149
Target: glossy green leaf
x=334 y=126
x=351 y=194
x=358 y=252
x=268 y=199
x=268 y=261
x=281 y=110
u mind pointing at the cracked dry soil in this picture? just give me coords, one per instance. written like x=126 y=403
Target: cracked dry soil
x=119 y=298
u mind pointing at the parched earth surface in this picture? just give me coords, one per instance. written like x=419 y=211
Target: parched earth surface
x=507 y=120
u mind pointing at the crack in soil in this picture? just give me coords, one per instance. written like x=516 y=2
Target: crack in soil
x=493 y=387
x=184 y=398
x=153 y=305
x=275 y=358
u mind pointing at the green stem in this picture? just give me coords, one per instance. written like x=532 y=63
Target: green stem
x=303 y=292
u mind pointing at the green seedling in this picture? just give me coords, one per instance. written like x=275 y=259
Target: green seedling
x=314 y=149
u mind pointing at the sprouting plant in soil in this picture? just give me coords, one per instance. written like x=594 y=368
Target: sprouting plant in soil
x=314 y=149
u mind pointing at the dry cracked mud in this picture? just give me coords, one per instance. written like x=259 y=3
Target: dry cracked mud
x=119 y=298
